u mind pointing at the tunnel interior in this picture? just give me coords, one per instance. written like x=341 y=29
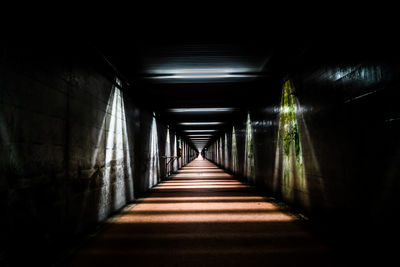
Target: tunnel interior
x=90 y=125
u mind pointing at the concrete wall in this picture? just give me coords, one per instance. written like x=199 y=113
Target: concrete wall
x=74 y=150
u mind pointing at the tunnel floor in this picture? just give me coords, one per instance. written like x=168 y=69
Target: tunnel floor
x=203 y=216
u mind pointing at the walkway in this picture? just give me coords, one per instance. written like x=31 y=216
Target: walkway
x=204 y=217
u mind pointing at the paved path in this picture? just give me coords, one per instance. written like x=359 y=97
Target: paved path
x=204 y=217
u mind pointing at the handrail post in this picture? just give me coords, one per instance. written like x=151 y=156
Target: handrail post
x=167 y=164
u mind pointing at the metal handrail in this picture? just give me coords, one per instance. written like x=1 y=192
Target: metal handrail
x=167 y=163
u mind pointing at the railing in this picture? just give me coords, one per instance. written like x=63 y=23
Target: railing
x=168 y=164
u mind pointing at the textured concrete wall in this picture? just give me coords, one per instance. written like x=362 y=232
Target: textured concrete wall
x=347 y=124
x=74 y=149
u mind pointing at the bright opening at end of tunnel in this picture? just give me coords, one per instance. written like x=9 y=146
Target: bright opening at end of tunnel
x=189 y=110
x=200 y=135
x=201 y=123
x=200 y=131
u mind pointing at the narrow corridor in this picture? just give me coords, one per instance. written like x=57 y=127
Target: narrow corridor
x=300 y=125
x=203 y=217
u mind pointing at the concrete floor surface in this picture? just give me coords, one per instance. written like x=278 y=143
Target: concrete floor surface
x=203 y=216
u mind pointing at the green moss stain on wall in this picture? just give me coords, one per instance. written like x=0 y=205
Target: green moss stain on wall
x=289 y=131
x=293 y=184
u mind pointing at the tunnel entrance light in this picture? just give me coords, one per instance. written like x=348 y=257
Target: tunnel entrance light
x=201 y=123
x=199 y=131
x=178 y=110
x=200 y=135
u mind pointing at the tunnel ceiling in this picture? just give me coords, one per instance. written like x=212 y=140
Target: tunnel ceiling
x=198 y=85
x=236 y=62
x=234 y=71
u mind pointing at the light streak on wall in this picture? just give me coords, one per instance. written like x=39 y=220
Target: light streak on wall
x=117 y=183
x=249 y=152
x=226 y=160
x=180 y=156
x=216 y=148
x=168 y=151
x=175 y=162
x=366 y=74
x=184 y=153
x=234 y=152
x=154 y=164
x=289 y=159
x=220 y=151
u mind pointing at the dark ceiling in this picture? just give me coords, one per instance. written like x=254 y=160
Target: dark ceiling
x=237 y=62
x=206 y=73
x=235 y=68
